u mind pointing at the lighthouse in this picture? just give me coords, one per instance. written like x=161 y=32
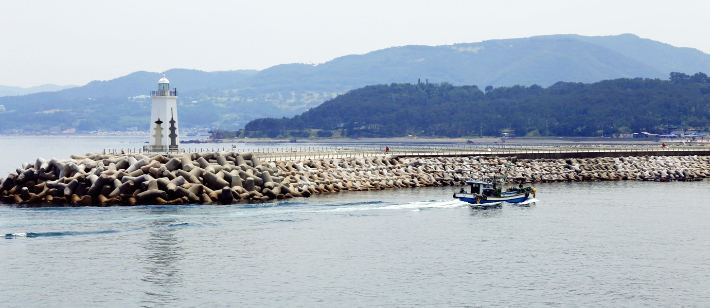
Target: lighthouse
x=163 y=118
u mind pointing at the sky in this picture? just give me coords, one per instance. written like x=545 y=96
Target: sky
x=75 y=42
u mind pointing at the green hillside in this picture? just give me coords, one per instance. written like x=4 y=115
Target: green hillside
x=563 y=109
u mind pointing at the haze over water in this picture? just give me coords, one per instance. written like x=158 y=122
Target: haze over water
x=582 y=244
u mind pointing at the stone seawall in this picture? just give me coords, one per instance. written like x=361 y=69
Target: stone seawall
x=228 y=177
x=584 y=154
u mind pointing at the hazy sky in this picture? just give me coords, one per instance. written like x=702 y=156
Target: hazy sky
x=74 y=42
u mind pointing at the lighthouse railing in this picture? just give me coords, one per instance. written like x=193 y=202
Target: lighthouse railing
x=164 y=93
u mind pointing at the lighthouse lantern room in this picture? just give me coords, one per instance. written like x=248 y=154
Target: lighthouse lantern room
x=163 y=119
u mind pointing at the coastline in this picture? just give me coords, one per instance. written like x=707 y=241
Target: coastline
x=483 y=140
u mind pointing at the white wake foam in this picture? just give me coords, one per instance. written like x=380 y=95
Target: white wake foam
x=14 y=235
x=527 y=202
x=426 y=205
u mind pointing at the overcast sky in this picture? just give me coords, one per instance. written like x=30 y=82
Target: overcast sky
x=74 y=42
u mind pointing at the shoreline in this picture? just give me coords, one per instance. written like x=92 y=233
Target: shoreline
x=231 y=177
x=483 y=140
x=393 y=140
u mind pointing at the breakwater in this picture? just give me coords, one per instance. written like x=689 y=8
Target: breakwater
x=227 y=177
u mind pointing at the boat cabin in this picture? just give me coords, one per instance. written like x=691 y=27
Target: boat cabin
x=481 y=188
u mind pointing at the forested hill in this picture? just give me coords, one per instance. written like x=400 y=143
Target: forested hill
x=563 y=109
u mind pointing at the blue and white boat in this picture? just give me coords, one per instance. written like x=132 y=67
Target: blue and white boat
x=488 y=192
x=484 y=192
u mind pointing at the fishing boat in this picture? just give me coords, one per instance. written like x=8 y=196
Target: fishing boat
x=484 y=192
x=487 y=192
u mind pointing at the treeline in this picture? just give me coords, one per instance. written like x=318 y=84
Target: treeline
x=604 y=108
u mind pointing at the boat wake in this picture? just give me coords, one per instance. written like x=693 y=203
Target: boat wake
x=53 y=234
x=431 y=204
x=527 y=202
x=369 y=206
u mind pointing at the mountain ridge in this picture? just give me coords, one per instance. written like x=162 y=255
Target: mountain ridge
x=17 y=91
x=229 y=99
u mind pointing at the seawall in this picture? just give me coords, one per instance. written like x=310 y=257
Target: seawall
x=228 y=177
x=585 y=154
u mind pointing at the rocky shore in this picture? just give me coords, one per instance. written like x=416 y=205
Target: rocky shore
x=228 y=177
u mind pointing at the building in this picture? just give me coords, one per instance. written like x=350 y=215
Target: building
x=2 y=108
x=163 y=118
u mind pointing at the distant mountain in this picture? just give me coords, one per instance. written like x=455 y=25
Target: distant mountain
x=541 y=60
x=13 y=91
x=662 y=57
x=141 y=83
x=230 y=99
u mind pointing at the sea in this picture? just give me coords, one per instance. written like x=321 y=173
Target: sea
x=592 y=244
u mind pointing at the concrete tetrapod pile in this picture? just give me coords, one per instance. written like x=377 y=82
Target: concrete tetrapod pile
x=136 y=178
x=226 y=177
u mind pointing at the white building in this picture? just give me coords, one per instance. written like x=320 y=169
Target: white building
x=2 y=108
x=164 y=118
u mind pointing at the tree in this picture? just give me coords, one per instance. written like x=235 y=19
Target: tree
x=699 y=78
x=675 y=76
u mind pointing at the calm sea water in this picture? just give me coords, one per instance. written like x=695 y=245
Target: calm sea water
x=582 y=244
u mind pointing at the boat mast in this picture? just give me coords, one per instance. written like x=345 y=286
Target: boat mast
x=505 y=175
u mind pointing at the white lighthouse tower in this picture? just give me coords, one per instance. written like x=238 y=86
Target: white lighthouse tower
x=164 y=118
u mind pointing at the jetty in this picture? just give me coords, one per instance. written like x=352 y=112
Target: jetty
x=222 y=176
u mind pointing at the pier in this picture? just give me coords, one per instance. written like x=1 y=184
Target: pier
x=522 y=151
x=519 y=151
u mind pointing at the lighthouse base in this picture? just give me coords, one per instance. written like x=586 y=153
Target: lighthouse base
x=161 y=148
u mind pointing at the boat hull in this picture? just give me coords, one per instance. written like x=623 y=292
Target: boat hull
x=517 y=198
